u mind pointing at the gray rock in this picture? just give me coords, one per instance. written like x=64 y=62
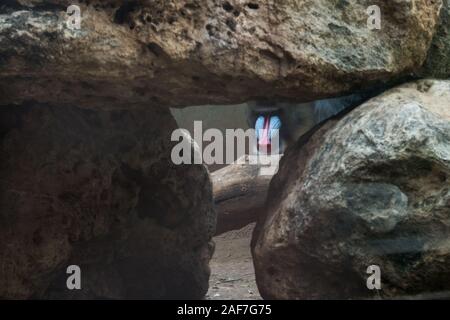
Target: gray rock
x=370 y=188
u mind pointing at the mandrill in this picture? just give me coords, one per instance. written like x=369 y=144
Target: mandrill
x=288 y=121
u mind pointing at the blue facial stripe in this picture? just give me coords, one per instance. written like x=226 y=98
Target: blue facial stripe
x=275 y=124
x=259 y=126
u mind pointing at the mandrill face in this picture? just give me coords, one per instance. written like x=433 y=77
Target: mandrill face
x=267 y=129
x=278 y=124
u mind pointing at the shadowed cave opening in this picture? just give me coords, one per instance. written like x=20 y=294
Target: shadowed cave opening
x=232 y=271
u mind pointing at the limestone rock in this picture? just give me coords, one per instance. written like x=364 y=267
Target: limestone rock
x=97 y=189
x=370 y=188
x=193 y=52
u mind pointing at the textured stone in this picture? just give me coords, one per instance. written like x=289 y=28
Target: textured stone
x=98 y=189
x=370 y=188
x=193 y=52
x=437 y=64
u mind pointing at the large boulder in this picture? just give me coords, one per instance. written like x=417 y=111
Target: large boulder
x=370 y=188
x=194 y=52
x=98 y=189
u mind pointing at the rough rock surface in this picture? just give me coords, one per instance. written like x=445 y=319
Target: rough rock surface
x=371 y=188
x=193 y=52
x=97 y=189
x=437 y=64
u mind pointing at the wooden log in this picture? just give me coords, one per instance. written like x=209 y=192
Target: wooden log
x=240 y=191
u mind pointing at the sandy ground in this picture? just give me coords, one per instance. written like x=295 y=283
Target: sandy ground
x=232 y=273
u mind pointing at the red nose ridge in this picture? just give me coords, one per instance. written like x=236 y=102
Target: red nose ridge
x=265 y=140
x=264 y=143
